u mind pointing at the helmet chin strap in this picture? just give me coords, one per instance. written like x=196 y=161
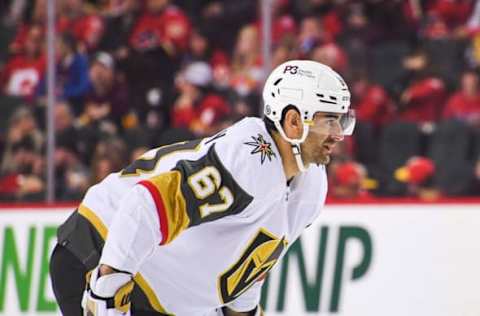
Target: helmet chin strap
x=295 y=143
x=297 y=153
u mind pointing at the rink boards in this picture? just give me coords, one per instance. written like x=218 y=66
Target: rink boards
x=356 y=259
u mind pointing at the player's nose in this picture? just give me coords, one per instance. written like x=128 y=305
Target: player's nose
x=336 y=132
x=337 y=135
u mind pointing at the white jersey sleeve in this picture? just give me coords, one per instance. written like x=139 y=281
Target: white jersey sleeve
x=134 y=232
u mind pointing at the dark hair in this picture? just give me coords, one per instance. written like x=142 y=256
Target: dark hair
x=269 y=123
x=26 y=143
x=69 y=41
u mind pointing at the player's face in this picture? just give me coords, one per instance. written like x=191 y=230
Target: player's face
x=323 y=135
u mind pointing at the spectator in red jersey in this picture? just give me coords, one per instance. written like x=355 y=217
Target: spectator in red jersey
x=161 y=25
x=196 y=108
x=374 y=109
x=464 y=104
x=371 y=102
x=418 y=174
x=71 y=16
x=422 y=99
x=38 y=18
x=454 y=12
x=23 y=72
x=349 y=181
x=86 y=27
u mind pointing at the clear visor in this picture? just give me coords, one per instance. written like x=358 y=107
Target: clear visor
x=334 y=124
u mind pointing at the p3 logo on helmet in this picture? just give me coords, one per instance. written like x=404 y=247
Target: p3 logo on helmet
x=291 y=69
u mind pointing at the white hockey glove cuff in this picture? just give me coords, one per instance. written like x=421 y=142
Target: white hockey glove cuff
x=107 y=295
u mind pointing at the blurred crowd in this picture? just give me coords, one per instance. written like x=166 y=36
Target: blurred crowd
x=136 y=74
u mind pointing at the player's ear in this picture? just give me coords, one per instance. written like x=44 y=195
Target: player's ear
x=293 y=126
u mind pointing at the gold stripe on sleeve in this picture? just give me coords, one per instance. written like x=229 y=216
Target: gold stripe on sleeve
x=94 y=220
x=168 y=185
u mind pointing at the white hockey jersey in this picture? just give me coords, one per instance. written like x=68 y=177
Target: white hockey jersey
x=200 y=223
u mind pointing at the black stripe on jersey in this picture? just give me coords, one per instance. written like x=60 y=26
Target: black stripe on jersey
x=216 y=136
x=148 y=165
x=241 y=199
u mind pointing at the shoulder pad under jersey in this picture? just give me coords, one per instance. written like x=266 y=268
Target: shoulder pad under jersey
x=247 y=150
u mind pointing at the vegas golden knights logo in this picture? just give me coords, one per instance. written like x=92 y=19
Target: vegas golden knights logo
x=260 y=256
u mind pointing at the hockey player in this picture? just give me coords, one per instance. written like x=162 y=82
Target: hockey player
x=192 y=228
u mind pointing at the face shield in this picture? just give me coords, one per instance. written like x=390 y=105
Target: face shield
x=333 y=124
